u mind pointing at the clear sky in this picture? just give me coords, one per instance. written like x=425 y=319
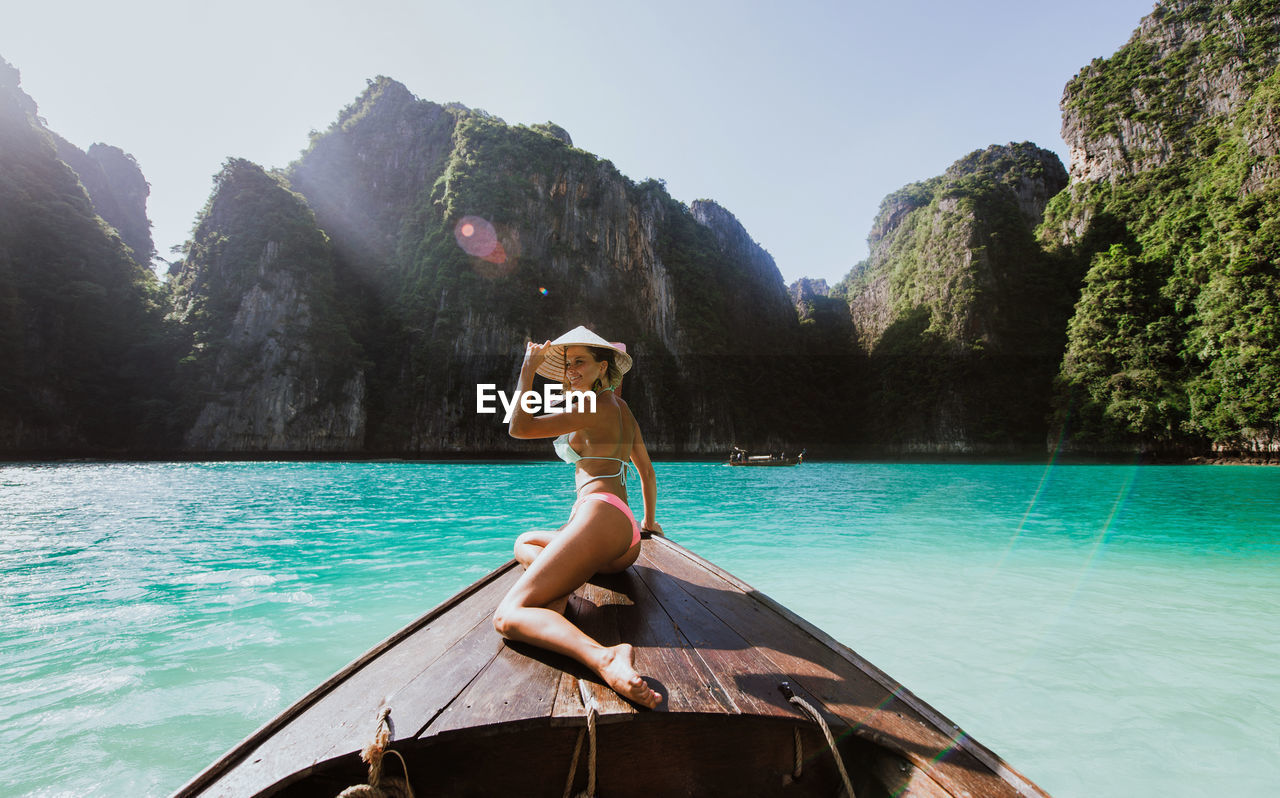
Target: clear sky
x=798 y=117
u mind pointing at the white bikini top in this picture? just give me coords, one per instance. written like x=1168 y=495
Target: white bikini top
x=568 y=454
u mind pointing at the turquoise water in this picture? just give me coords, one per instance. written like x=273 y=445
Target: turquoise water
x=1109 y=630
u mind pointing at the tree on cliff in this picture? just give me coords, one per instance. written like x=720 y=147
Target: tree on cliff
x=1175 y=342
x=81 y=336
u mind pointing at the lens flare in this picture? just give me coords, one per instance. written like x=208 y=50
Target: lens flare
x=478 y=239
x=495 y=249
x=542 y=290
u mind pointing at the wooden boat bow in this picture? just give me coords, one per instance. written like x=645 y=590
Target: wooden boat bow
x=474 y=715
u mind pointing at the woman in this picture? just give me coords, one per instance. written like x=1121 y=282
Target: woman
x=602 y=535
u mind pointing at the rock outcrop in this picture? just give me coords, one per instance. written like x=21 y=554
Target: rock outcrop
x=1170 y=217
x=79 y=331
x=958 y=309
x=947 y=242
x=757 y=291
x=364 y=176
x=456 y=237
x=1188 y=61
x=273 y=366
x=118 y=190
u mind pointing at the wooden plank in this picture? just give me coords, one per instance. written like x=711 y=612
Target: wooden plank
x=621 y=607
x=442 y=658
x=861 y=697
x=339 y=715
x=568 y=709
x=594 y=609
x=753 y=682
x=739 y=670
x=514 y=687
x=665 y=656
x=598 y=618
x=416 y=705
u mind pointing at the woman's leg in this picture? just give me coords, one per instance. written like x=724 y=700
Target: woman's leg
x=589 y=541
x=527 y=549
x=530 y=544
x=622 y=563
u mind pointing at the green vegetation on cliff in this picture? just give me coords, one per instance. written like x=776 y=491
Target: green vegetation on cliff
x=1175 y=342
x=459 y=236
x=81 y=337
x=959 y=309
x=272 y=363
x=1153 y=78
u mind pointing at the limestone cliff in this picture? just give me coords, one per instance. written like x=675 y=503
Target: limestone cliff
x=118 y=190
x=460 y=237
x=273 y=366
x=1174 y=345
x=79 y=329
x=827 y=315
x=944 y=243
x=958 y=309
x=1189 y=60
x=757 y=291
x=365 y=174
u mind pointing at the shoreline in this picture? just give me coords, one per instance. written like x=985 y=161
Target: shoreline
x=852 y=455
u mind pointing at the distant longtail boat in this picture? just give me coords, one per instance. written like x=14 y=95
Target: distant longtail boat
x=740 y=457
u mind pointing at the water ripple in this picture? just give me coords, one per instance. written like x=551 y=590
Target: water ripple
x=141 y=601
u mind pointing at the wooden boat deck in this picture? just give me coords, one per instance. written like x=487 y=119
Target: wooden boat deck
x=711 y=645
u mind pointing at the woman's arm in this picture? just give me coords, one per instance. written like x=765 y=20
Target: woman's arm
x=524 y=424
x=648 y=481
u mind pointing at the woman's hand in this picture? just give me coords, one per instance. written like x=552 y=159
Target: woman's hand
x=534 y=354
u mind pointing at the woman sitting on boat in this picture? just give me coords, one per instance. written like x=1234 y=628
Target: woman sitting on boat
x=602 y=535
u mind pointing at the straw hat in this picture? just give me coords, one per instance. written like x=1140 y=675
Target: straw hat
x=553 y=367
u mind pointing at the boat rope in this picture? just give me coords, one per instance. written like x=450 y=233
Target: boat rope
x=785 y=688
x=590 y=733
x=372 y=755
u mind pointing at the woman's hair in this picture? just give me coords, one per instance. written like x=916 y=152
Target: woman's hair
x=613 y=376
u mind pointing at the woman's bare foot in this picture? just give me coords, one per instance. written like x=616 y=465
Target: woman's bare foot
x=618 y=671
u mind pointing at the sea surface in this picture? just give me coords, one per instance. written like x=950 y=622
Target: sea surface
x=1108 y=630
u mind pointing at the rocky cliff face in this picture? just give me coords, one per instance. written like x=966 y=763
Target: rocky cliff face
x=757 y=291
x=955 y=307
x=1189 y=60
x=556 y=237
x=364 y=176
x=118 y=190
x=78 y=327
x=456 y=238
x=1170 y=217
x=818 y=309
x=273 y=367
x=947 y=242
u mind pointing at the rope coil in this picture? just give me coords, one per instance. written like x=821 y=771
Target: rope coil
x=372 y=755
x=808 y=708
x=589 y=732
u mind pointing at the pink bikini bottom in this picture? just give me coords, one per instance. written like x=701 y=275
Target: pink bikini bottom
x=616 y=501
